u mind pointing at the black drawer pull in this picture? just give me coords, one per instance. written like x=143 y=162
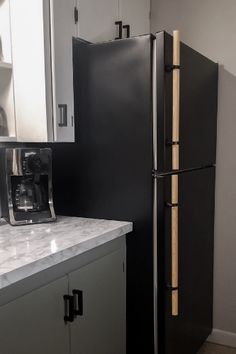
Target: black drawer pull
x=127 y=27
x=119 y=24
x=69 y=308
x=63 y=115
x=78 y=302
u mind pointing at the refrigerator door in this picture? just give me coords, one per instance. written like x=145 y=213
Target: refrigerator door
x=198 y=106
x=185 y=331
x=107 y=173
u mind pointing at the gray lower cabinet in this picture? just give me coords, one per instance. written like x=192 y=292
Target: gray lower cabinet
x=34 y=323
x=101 y=328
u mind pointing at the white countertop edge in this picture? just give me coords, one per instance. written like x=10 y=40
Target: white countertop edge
x=49 y=261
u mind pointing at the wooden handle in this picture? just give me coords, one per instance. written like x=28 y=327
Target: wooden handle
x=175 y=166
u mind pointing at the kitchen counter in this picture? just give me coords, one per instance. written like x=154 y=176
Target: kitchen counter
x=46 y=267
x=27 y=250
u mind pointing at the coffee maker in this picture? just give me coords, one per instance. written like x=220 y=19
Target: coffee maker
x=26 y=185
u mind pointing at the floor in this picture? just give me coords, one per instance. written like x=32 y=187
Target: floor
x=210 y=348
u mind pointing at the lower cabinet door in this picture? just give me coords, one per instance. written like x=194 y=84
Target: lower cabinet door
x=101 y=327
x=34 y=323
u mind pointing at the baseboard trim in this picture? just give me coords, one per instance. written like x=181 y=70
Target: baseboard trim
x=222 y=337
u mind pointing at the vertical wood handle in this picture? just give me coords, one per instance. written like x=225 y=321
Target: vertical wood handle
x=174 y=180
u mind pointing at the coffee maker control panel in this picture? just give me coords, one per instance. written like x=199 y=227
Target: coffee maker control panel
x=22 y=162
x=35 y=163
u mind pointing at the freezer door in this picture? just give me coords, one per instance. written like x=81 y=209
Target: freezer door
x=184 y=331
x=198 y=106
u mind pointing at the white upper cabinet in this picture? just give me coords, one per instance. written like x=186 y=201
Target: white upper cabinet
x=7 y=108
x=135 y=14
x=36 y=59
x=63 y=28
x=42 y=32
x=97 y=19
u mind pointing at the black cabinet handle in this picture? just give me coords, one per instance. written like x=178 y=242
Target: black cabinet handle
x=127 y=27
x=78 y=302
x=63 y=115
x=119 y=24
x=69 y=308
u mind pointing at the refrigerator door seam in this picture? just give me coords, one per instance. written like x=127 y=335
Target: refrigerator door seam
x=155 y=272
x=154 y=103
x=154 y=132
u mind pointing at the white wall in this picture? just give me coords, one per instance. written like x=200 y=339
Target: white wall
x=209 y=26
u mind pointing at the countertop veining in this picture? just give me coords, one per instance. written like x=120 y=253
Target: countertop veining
x=27 y=250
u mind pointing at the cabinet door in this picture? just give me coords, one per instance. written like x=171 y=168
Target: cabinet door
x=97 y=19
x=32 y=92
x=63 y=29
x=33 y=324
x=101 y=328
x=136 y=13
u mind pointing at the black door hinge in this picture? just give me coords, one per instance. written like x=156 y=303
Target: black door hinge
x=76 y=14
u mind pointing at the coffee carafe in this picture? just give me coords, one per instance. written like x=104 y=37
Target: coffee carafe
x=26 y=185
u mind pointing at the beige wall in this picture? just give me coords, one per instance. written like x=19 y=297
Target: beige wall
x=209 y=26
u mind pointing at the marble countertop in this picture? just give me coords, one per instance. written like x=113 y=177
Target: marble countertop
x=27 y=250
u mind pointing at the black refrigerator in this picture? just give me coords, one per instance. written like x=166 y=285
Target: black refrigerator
x=122 y=166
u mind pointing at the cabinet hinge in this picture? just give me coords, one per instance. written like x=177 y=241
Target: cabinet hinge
x=76 y=14
x=123 y=265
